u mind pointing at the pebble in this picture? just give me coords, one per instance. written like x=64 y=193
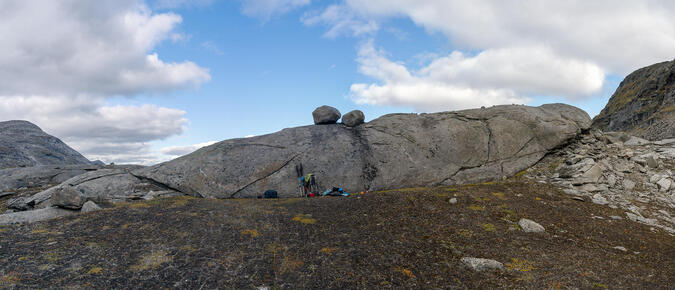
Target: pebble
x=530 y=226
x=453 y=200
x=480 y=264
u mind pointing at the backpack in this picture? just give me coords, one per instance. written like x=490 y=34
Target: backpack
x=271 y=194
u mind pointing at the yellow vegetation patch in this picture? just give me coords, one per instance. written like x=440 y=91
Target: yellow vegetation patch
x=520 y=265
x=252 y=233
x=305 y=219
x=465 y=233
x=3 y=230
x=406 y=272
x=24 y=258
x=9 y=280
x=39 y=231
x=537 y=198
x=499 y=195
x=329 y=251
x=442 y=195
x=52 y=257
x=599 y=285
x=476 y=207
x=95 y=271
x=291 y=264
x=489 y=227
x=152 y=261
x=105 y=228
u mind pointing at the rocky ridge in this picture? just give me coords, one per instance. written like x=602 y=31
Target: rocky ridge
x=23 y=144
x=643 y=104
x=617 y=170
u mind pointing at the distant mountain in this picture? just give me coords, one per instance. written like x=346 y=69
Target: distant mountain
x=643 y=104
x=23 y=144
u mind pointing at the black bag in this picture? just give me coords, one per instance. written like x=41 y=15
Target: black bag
x=271 y=194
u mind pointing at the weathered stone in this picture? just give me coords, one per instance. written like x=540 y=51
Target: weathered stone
x=393 y=151
x=652 y=162
x=353 y=118
x=664 y=184
x=480 y=264
x=23 y=144
x=599 y=199
x=635 y=141
x=90 y=206
x=592 y=175
x=67 y=197
x=453 y=200
x=628 y=184
x=33 y=215
x=19 y=203
x=530 y=226
x=325 y=115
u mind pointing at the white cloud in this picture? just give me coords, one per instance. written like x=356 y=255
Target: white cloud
x=173 y=4
x=69 y=47
x=265 y=9
x=177 y=151
x=501 y=76
x=60 y=61
x=342 y=20
x=618 y=36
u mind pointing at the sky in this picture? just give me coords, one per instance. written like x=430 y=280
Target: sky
x=145 y=81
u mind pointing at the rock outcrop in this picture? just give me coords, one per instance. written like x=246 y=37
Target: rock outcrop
x=393 y=151
x=643 y=104
x=23 y=144
x=619 y=171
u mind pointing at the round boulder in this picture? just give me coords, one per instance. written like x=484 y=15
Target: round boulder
x=325 y=115
x=67 y=197
x=353 y=118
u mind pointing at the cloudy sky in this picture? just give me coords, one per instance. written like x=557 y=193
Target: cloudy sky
x=134 y=81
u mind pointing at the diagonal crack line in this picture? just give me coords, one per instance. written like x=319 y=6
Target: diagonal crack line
x=523 y=147
x=268 y=175
x=164 y=185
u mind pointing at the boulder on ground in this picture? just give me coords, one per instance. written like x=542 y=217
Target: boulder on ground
x=67 y=197
x=353 y=118
x=530 y=226
x=325 y=115
x=480 y=264
x=90 y=206
x=33 y=215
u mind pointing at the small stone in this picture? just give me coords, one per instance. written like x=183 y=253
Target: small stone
x=579 y=198
x=651 y=162
x=90 y=206
x=530 y=226
x=599 y=199
x=453 y=200
x=628 y=184
x=615 y=217
x=620 y=248
x=664 y=184
x=480 y=264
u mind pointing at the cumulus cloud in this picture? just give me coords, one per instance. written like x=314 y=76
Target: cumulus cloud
x=265 y=9
x=68 y=47
x=61 y=60
x=619 y=36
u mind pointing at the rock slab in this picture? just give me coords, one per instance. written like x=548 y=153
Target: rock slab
x=480 y=264
x=530 y=226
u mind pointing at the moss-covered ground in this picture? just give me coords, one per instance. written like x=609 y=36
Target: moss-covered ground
x=411 y=238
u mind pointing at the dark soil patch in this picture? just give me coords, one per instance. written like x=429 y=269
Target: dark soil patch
x=411 y=238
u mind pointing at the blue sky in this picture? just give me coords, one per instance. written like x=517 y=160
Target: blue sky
x=229 y=69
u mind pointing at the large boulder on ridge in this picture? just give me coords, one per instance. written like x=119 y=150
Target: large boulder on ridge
x=353 y=118
x=393 y=151
x=643 y=104
x=325 y=115
x=23 y=144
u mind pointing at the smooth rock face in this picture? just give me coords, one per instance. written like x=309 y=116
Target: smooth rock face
x=479 y=264
x=393 y=151
x=530 y=226
x=67 y=197
x=33 y=215
x=643 y=104
x=23 y=144
x=353 y=118
x=325 y=115
x=12 y=179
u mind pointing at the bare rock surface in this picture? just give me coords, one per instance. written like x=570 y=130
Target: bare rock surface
x=23 y=144
x=393 y=151
x=34 y=215
x=480 y=264
x=530 y=226
x=617 y=170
